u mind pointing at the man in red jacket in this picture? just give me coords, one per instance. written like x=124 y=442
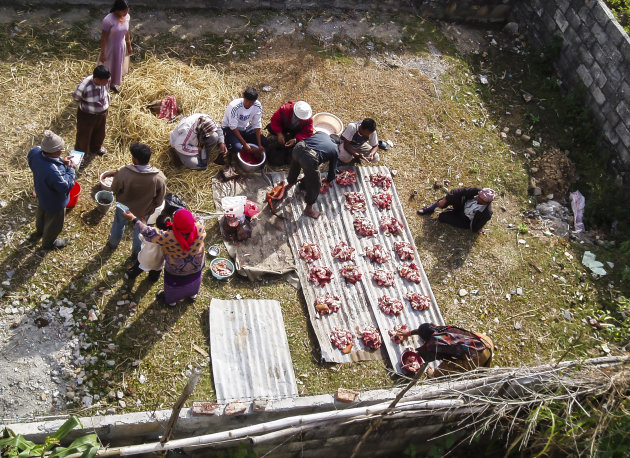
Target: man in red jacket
x=291 y=123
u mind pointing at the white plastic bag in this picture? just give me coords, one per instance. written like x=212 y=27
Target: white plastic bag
x=577 y=205
x=234 y=206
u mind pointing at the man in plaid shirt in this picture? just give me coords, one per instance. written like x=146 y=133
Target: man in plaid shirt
x=93 y=97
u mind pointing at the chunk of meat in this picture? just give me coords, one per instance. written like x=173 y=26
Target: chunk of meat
x=364 y=227
x=342 y=339
x=343 y=252
x=371 y=337
x=404 y=250
x=409 y=272
x=376 y=253
x=310 y=252
x=381 y=180
x=418 y=301
x=395 y=332
x=222 y=268
x=382 y=200
x=390 y=305
x=383 y=277
x=412 y=363
x=346 y=177
x=391 y=225
x=355 y=201
x=327 y=303
x=320 y=275
x=351 y=273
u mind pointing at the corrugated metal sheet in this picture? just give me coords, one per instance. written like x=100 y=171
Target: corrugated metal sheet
x=250 y=351
x=360 y=301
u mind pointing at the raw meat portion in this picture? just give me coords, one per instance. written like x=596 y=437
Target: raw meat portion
x=342 y=339
x=404 y=250
x=364 y=227
x=222 y=268
x=355 y=201
x=371 y=337
x=327 y=303
x=411 y=361
x=346 y=177
x=391 y=224
x=320 y=275
x=343 y=252
x=383 y=277
x=310 y=252
x=351 y=273
x=376 y=253
x=418 y=301
x=409 y=272
x=395 y=331
x=389 y=305
x=383 y=200
x=381 y=180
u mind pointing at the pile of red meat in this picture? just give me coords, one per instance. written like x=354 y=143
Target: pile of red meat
x=381 y=180
x=310 y=252
x=346 y=177
x=343 y=252
x=376 y=253
x=391 y=224
x=320 y=275
x=383 y=277
x=351 y=273
x=409 y=272
x=355 y=201
x=389 y=305
x=342 y=339
x=364 y=227
x=383 y=200
x=327 y=303
x=418 y=301
x=371 y=337
x=404 y=250
x=394 y=333
x=411 y=362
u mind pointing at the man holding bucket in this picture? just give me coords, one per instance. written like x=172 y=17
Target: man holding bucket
x=53 y=178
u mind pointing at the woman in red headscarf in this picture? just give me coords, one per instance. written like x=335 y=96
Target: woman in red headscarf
x=184 y=254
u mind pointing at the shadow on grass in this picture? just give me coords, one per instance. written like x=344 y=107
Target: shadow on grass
x=456 y=244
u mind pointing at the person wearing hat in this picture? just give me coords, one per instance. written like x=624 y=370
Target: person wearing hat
x=472 y=208
x=291 y=123
x=53 y=178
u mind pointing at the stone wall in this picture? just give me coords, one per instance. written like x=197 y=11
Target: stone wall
x=595 y=54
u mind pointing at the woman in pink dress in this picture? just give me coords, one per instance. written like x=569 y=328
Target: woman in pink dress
x=116 y=42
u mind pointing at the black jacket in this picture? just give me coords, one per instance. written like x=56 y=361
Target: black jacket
x=458 y=198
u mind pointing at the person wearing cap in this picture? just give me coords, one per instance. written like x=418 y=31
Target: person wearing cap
x=308 y=155
x=53 y=178
x=291 y=123
x=472 y=208
x=359 y=141
x=93 y=96
x=184 y=254
x=194 y=138
x=458 y=349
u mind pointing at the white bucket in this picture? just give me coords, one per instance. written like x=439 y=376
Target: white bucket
x=234 y=206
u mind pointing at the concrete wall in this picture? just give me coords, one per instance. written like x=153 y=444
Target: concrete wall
x=596 y=54
x=462 y=10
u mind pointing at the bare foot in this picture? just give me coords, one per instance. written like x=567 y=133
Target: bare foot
x=310 y=211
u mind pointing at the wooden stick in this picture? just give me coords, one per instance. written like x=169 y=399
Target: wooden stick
x=188 y=390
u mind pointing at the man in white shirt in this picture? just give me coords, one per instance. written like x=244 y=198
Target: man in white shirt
x=242 y=124
x=359 y=141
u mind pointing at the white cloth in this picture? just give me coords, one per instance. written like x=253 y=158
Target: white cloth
x=184 y=137
x=238 y=117
x=151 y=256
x=471 y=207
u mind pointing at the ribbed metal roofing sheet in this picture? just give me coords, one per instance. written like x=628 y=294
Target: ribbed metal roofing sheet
x=250 y=351
x=360 y=301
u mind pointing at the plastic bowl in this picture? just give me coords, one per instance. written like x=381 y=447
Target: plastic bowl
x=246 y=166
x=216 y=275
x=101 y=179
x=327 y=122
x=214 y=250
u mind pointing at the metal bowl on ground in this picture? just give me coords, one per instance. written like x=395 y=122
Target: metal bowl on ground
x=246 y=166
x=214 y=250
x=106 y=184
x=327 y=122
x=230 y=265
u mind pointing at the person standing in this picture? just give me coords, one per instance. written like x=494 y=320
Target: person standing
x=53 y=178
x=139 y=186
x=242 y=124
x=116 y=42
x=93 y=97
x=359 y=141
x=184 y=254
x=472 y=208
x=292 y=122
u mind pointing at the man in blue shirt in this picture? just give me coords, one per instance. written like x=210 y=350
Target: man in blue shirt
x=53 y=178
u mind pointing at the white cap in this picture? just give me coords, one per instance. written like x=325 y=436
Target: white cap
x=302 y=110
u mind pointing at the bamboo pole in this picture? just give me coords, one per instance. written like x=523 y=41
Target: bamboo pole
x=188 y=390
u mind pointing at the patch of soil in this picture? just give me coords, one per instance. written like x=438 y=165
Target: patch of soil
x=554 y=173
x=467 y=40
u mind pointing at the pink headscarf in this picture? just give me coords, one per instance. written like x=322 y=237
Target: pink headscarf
x=184 y=228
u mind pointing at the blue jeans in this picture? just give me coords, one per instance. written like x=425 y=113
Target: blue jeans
x=118 y=229
x=235 y=145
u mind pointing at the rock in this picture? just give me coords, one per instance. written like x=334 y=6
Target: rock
x=518 y=325
x=503 y=135
x=119 y=395
x=519 y=291
x=267 y=88
x=463 y=292
x=345 y=395
x=110 y=411
x=122 y=404
x=537 y=191
x=87 y=400
x=534 y=170
x=111 y=395
x=42 y=396
x=511 y=28
x=518 y=132
x=526 y=138
x=567 y=315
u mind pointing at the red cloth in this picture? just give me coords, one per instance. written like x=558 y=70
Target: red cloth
x=168 y=108
x=184 y=223
x=282 y=118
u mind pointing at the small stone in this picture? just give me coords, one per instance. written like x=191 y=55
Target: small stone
x=110 y=411
x=518 y=132
x=42 y=396
x=519 y=291
x=119 y=395
x=537 y=191
x=567 y=315
x=503 y=135
x=518 y=325
x=463 y=292
x=122 y=404
x=267 y=88
x=526 y=138
x=534 y=170
x=111 y=395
